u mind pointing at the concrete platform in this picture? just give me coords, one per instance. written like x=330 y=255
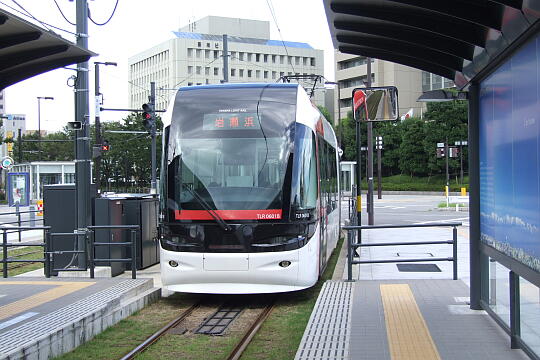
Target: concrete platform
x=387 y=314
x=41 y=318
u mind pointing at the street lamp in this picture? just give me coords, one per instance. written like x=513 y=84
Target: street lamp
x=39 y=98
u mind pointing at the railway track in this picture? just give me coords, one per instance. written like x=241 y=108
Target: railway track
x=20 y=265
x=237 y=351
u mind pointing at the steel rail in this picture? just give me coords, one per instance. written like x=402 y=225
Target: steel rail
x=236 y=353
x=158 y=334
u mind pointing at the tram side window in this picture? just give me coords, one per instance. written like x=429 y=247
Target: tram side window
x=304 y=192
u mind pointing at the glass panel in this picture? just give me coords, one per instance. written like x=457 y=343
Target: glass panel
x=530 y=314
x=426 y=81
x=304 y=193
x=499 y=290
x=437 y=81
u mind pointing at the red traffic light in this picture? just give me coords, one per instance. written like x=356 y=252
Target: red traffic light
x=105 y=146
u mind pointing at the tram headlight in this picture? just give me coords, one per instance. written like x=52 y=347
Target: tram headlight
x=173 y=263
x=284 y=263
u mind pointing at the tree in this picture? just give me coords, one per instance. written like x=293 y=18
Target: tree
x=128 y=162
x=413 y=159
x=445 y=121
x=391 y=134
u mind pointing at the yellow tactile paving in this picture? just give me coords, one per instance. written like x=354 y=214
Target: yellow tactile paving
x=408 y=335
x=61 y=288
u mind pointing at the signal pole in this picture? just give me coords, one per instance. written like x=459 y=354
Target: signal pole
x=369 y=156
x=152 y=101
x=82 y=150
x=98 y=123
x=378 y=144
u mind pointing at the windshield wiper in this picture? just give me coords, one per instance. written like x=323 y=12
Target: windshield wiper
x=209 y=209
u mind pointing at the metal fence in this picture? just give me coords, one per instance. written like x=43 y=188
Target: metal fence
x=6 y=259
x=133 y=259
x=353 y=245
x=29 y=223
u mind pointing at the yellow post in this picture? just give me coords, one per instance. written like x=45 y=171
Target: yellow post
x=446 y=191
x=39 y=204
x=463 y=191
x=359 y=203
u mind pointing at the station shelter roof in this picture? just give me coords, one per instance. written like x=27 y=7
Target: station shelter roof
x=27 y=50
x=457 y=39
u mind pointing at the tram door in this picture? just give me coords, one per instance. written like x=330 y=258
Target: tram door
x=323 y=188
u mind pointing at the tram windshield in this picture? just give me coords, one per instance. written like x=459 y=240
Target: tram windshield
x=230 y=147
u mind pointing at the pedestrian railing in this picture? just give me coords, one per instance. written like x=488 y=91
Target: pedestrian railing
x=133 y=259
x=6 y=259
x=22 y=225
x=76 y=251
x=352 y=245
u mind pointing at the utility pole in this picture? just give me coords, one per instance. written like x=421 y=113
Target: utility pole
x=225 y=59
x=82 y=153
x=152 y=101
x=99 y=140
x=369 y=155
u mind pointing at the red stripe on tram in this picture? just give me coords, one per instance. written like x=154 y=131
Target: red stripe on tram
x=271 y=214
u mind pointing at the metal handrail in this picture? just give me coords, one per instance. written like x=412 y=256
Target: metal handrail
x=18 y=213
x=352 y=246
x=5 y=245
x=92 y=259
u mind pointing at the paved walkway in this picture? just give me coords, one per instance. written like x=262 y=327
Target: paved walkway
x=388 y=314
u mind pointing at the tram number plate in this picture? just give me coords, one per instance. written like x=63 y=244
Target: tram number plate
x=225 y=262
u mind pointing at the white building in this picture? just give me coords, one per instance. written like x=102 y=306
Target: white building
x=195 y=57
x=351 y=72
x=11 y=123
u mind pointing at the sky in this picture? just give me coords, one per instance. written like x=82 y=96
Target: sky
x=136 y=26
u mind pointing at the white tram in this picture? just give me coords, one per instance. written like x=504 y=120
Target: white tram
x=249 y=190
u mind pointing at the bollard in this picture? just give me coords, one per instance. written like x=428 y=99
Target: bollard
x=133 y=255
x=32 y=216
x=349 y=255
x=454 y=248
x=18 y=212
x=47 y=254
x=91 y=254
x=4 y=254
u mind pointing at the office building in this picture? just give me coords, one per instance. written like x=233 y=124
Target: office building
x=194 y=56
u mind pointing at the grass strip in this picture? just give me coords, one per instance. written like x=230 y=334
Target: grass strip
x=19 y=254
x=281 y=333
x=118 y=340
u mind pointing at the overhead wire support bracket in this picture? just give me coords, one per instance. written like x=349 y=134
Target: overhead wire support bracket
x=298 y=77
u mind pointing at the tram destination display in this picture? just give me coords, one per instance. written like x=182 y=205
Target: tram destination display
x=231 y=121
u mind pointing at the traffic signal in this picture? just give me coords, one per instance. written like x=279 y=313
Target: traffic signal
x=105 y=146
x=148 y=116
x=440 y=152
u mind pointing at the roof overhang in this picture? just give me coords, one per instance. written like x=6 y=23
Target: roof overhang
x=27 y=50
x=456 y=39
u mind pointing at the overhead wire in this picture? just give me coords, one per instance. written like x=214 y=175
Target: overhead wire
x=28 y=15
x=191 y=75
x=62 y=13
x=109 y=19
x=28 y=12
x=272 y=12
